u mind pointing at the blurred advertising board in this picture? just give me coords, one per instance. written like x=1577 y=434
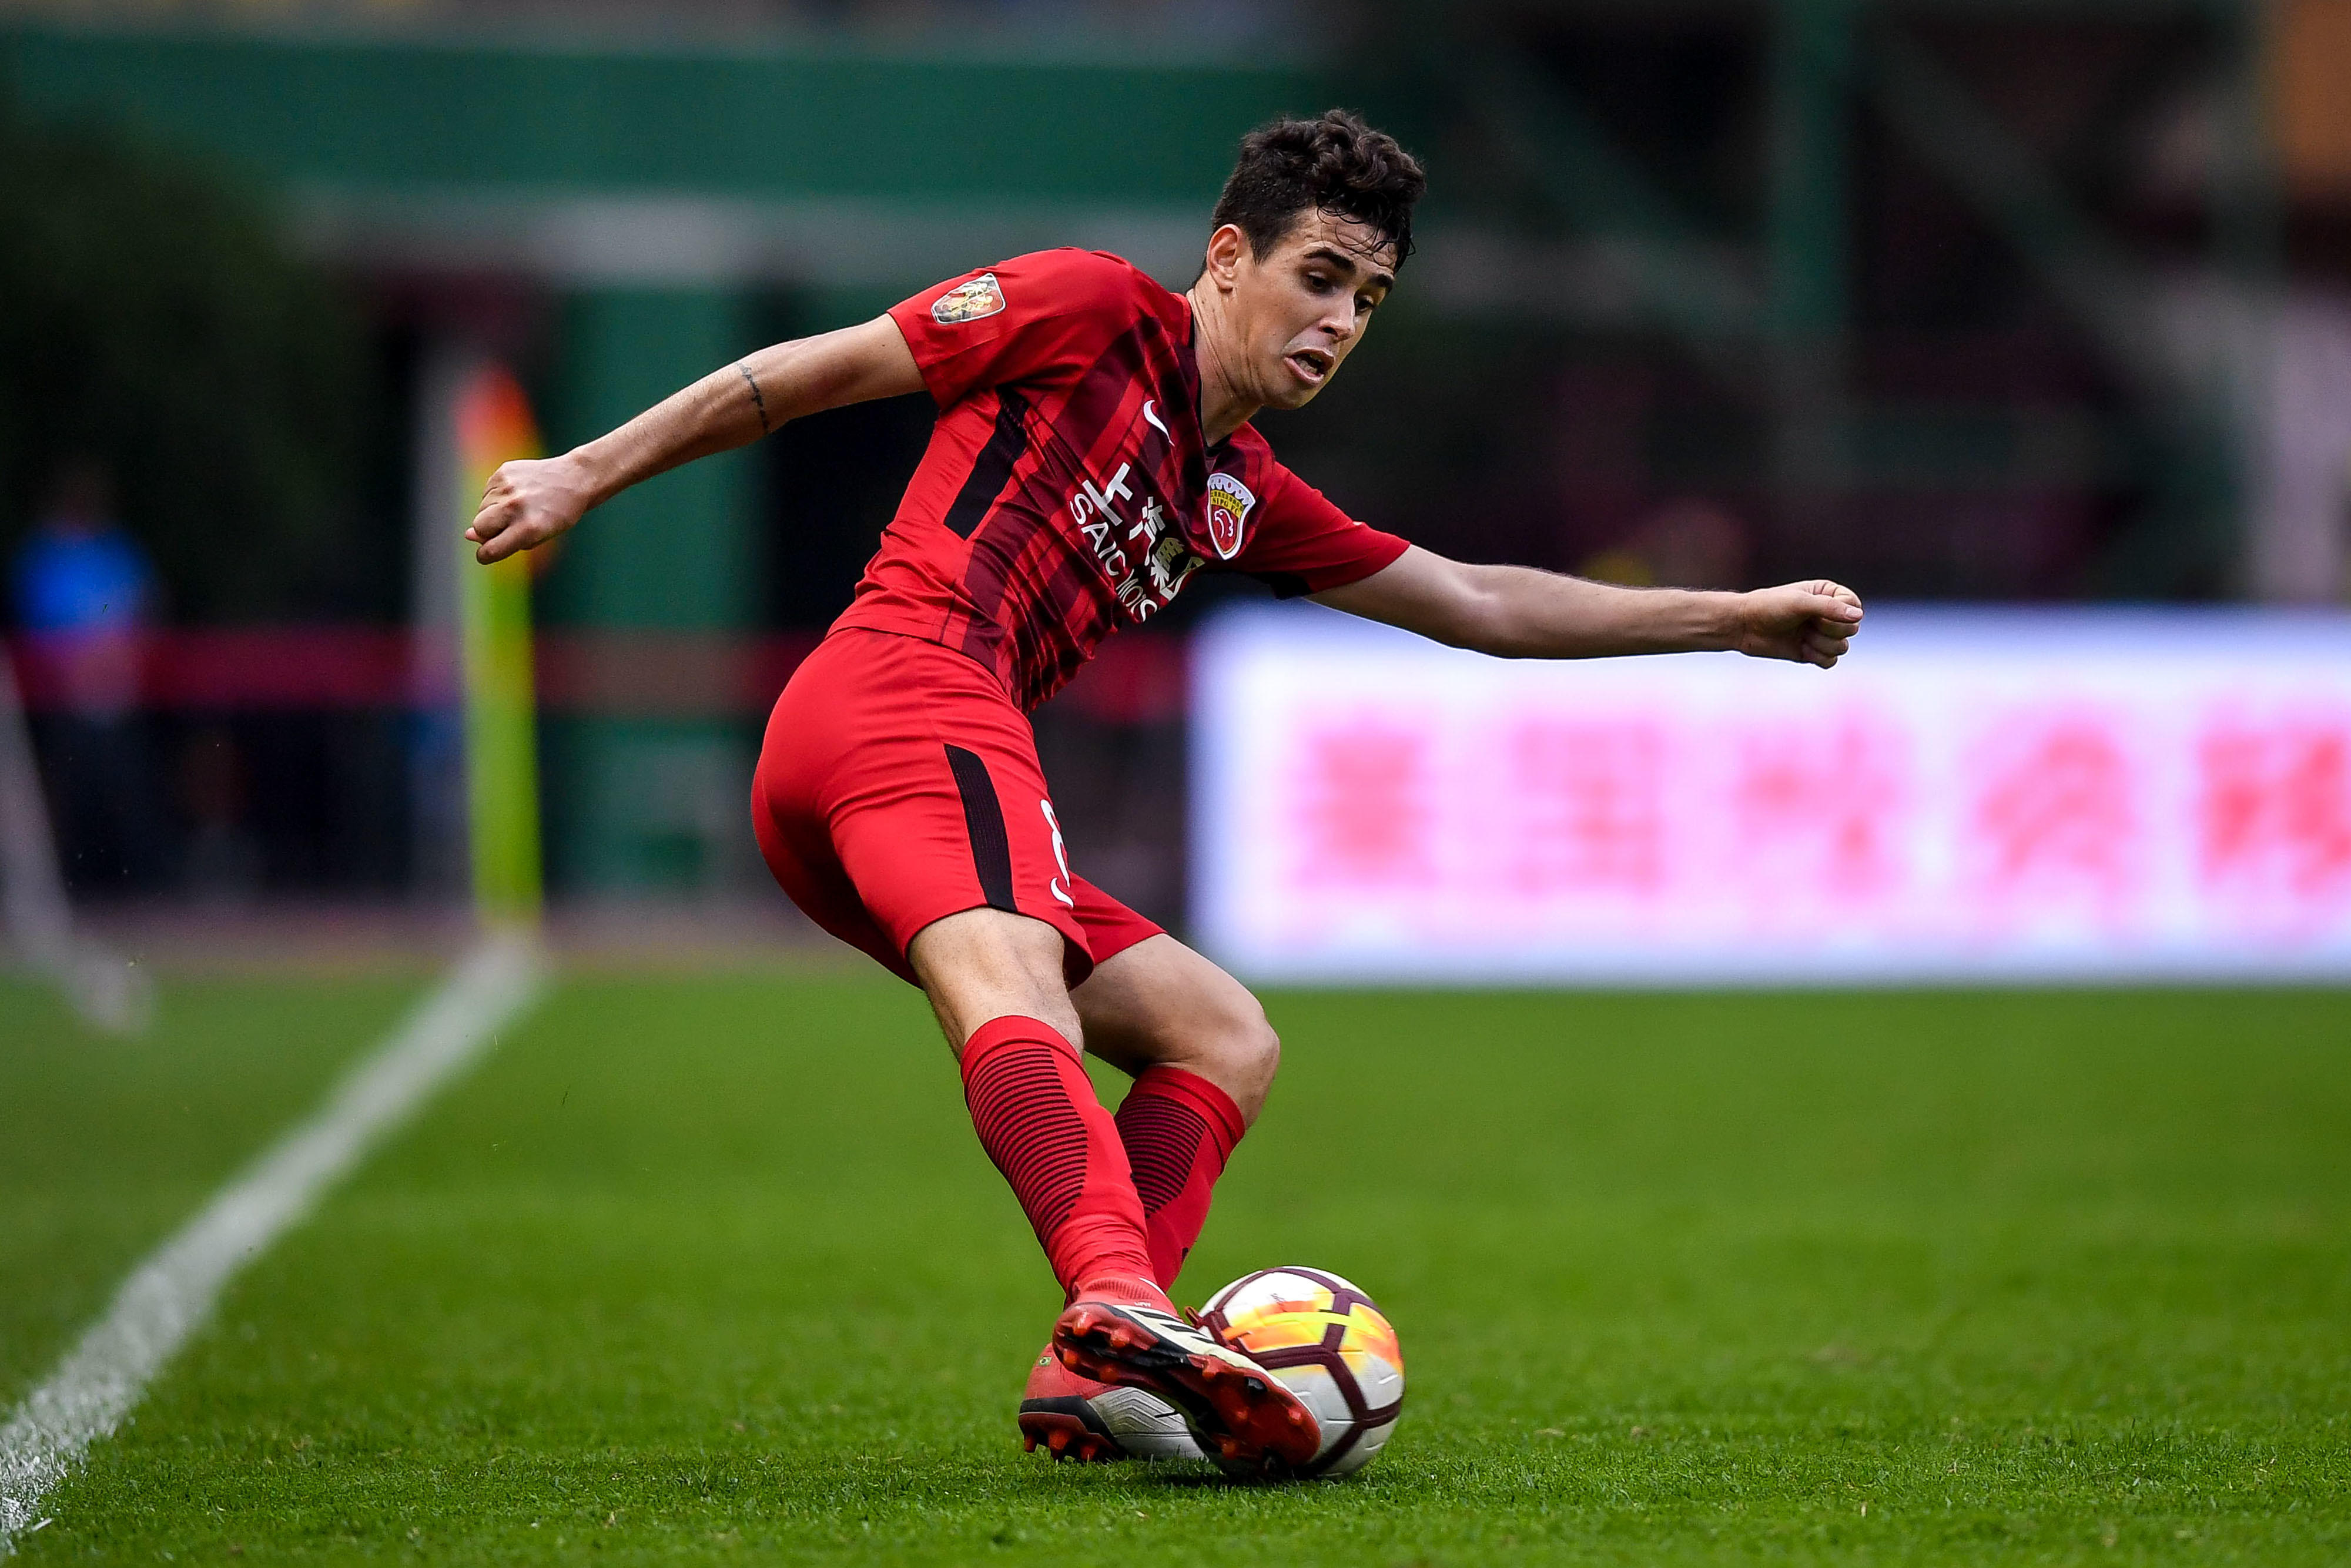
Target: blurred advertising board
x=1994 y=794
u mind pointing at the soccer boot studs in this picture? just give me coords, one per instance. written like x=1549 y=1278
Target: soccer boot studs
x=1238 y=1409
x=1074 y=1418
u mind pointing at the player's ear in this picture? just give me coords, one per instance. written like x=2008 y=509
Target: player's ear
x=1228 y=248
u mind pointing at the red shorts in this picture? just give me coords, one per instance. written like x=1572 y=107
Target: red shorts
x=899 y=785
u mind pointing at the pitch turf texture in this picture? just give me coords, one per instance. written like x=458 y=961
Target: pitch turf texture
x=699 y=1270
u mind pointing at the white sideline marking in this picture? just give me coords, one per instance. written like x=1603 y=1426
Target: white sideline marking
x=90 y=1391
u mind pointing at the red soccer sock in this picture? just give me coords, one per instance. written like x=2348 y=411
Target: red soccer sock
x=1038 y=1118
x=1179 y=1129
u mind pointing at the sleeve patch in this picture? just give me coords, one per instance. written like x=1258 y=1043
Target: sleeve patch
x=970 y=301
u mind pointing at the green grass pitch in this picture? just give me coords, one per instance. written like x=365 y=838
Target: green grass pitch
x=701 y=1269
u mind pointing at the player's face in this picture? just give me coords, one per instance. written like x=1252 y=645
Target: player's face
x=1302 y=308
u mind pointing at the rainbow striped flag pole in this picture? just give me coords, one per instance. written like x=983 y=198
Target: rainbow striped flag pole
x=494 y=426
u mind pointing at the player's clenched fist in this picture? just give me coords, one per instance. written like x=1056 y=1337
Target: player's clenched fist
x=1810 y=622
x=528 y=503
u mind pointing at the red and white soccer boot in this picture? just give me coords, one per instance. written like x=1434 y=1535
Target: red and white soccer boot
x=1239 y=1410
x=1074 y=1418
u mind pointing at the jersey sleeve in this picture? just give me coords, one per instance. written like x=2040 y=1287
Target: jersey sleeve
x=1020 y=319
x=1303 y=544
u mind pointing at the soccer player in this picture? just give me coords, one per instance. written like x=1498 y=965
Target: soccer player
x=1093 y=449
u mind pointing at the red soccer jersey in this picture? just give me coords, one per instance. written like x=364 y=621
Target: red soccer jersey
x=1068 y=487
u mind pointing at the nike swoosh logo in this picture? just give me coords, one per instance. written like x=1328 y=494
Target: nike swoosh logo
x=1152 y=420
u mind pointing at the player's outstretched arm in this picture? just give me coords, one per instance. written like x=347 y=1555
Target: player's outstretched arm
x=529 y=503
x=1518 y=612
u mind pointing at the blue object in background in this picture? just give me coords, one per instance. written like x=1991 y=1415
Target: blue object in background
x=83 y=591
x=81 y=579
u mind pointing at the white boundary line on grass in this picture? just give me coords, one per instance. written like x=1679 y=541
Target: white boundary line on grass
x=97 y=1383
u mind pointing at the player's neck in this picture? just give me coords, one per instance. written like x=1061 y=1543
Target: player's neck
x=1226 y=403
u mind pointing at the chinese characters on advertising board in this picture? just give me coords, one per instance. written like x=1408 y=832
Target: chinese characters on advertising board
x=1996 y=794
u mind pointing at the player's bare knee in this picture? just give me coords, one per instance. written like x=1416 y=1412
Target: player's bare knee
x=987 y=964
x=1246 y=1053
x=1265 y=1055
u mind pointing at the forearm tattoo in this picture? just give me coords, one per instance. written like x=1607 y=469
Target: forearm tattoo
x=758 y=402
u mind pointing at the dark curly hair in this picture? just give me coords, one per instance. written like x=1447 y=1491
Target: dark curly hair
x=1334 y=163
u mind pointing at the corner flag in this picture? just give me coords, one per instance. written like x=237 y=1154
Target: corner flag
x=494 y=426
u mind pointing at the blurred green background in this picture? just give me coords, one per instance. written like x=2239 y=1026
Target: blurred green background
x=2039 y=300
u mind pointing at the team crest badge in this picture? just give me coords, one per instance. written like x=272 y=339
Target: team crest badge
x=968 y=302
x=1229 y=507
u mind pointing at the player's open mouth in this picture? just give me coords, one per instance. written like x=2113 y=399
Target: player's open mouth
x=1311 y=365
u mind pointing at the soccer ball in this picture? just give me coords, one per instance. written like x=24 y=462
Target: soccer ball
x=1332 y=1347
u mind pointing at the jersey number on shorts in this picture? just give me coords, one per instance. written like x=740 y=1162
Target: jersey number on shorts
x=1061 y=855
